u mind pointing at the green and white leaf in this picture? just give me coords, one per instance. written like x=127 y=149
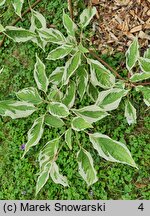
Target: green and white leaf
x=56 y=176
x=53 y=121
x=86 y=168
x=110 y=99
x=60 y=52
x=30 y=95
x=69 y=97
x=91 y=113
x=55 y=94
x=56 y=76
x=2 y=2
x=132 y=54
x=130 y=113
x=86 y=16
x=100 y=76
x=1 y=70
x=69 y=25
x=120 y=84
x=2 y=29
x=92 y=92
x=147 y=53
x=71 y=66
x=68 y=139
x=111 y=150
x=82 y=49
x=40 y=75
x=146 y=93
x=34 y=134
x=16 y=109
x=79 y=124
x=144 y=64
x=19 y=34
x=82 y=81
x=17 y=4
x=52 y=35
x=58 y=109
x=139 y=77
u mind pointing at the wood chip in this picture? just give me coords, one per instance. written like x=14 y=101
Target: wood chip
x=136 y=29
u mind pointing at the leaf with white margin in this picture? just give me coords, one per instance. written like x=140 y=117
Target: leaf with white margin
x=69 y=25
x=146 y=93
x=144 y=64
x=147 y=53
x=111 y=150
x=92 y=92
x=86 y=168
x=56 y=176
x=139 y=77
x=43 y=178
x=71 y=66
x=86 y=16
x=82 y=81
x=16 y=109
x=91 y=113
x=56 y=76
x=55 y=94
x=60 y=52
x=52 y=35
x=130 y=113
x=34 y=134
x=100 y=76
x=132 y=54
x=19 y=34
x=17 y=4
x=68 y=134
x=1 y=70
x=2 y=29
x=79 y=124
x=2 y=2
x=30 y=95
x=58 y=109
x=69 y=97
x=110 y=99
x=40 y=75
x=53 y=121
x=48 y=153
x=82 y=49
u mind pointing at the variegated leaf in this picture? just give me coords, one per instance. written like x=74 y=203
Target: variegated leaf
x=86 y=16
x=56 y=76
x=146 y=93
x=144 y=64
x=52 y=35
x=56 y=176
x=82 y=80
x=111 y=150
x=16 y=109
x=60 y=52
x=79 y=124
x=139 y=77
x=69 y=97
x=53 y=121
x=19 y=34
x=55 y=94
x=68 y=140
x=92 y=92
x=69 y=25
x=2 y=29
x=147 y=53
x=40 y=75
x=30 y=95
x=34 y=134
x=71 y=66
x=132 y=54
x=2 y=2
x=91 y=113
x=58 y=109
x=130 y=113
x=82 y=49
x=17 y=4
x=86 y=168
x=1 y=70
x=100 y=76
x=110 y=99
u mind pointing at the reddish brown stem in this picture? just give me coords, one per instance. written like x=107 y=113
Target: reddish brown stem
x=70 y=9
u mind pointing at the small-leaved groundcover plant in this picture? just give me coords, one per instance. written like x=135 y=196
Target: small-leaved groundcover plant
x=81 y=75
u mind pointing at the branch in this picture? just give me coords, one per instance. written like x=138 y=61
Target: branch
x=70 y=8
x=104 y=63
x=19 y=18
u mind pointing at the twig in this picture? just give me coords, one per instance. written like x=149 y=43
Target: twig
x=104 y=63
x=19 y=18
x=70 y=8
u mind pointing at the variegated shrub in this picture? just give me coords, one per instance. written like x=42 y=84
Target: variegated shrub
x=81 y=75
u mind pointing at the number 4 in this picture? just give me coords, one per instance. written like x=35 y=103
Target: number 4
x=141 y=207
